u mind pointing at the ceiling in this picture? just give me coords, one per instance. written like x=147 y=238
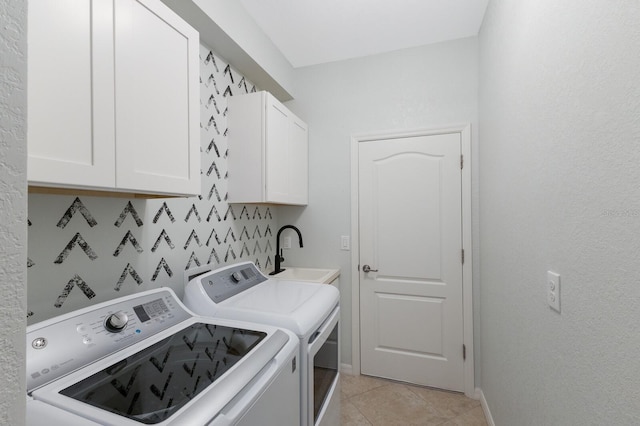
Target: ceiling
x=310 y=32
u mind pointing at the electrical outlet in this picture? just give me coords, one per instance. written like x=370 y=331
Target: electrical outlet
x=553 y=290
x=345 y=243
x=286 y=243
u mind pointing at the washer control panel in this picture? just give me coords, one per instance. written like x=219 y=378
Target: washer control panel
x=58 y=346
x=117 y=322
x=225 y=283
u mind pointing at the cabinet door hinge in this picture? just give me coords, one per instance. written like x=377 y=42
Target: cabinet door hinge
x=464 y=352
x=461 y=161
x=462 y=256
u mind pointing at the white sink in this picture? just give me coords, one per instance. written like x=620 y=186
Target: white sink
x=308 y=274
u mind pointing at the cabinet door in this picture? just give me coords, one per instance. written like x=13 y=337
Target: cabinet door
x=157 y=100
x=70 y=99
x=277 y=155
x=246 y=124
x=299 y=161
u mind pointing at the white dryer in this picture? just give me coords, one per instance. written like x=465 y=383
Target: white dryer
x=310 y=310
x=146 y=359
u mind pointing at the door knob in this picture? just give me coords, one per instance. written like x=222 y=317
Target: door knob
x=367 y=268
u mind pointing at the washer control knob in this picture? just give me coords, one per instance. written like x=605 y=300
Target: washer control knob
x=116 y=322
x=236 y=277
x=39 y=343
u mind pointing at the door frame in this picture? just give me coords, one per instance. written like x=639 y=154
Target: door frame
x=464 y=131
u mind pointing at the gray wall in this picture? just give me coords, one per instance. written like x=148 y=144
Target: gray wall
x=427 y=87
x=560 y=149
x=13 y=209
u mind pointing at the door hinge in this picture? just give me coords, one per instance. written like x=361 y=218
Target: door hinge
x=462 y=256
x=464 y=352
x=461 y=161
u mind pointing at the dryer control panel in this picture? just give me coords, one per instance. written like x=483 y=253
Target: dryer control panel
x=224 y=283
x=63 y=344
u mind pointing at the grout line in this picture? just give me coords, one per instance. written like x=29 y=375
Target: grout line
x=365 y=417
x=382 y=382
x=361 y=413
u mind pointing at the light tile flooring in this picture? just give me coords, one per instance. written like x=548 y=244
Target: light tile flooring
x=370 y=401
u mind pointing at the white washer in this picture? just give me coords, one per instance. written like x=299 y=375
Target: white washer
x=146 y=359
x=310 y=310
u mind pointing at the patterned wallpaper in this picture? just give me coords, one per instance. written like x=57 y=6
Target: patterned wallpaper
x=84 y=250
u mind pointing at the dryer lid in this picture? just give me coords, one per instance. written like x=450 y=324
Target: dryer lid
x=241 y=292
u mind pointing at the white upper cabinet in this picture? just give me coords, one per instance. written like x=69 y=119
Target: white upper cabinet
x=113 y=97
x=268 y=152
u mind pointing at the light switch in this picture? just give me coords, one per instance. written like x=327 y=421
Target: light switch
x=553 y=290
x=286 y=243
x=345 y=244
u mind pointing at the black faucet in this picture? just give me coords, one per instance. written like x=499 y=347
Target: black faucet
x=278 y=256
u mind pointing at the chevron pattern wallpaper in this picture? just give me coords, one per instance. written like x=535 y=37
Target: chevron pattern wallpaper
x=84 y=250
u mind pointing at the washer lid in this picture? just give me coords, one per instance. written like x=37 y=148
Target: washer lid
x=179 y=379
x=153 y=384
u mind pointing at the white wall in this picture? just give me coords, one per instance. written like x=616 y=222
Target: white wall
x=559 y=190
x=236 y=22
x=426 y=87
x=13 y=209
x=225 y=26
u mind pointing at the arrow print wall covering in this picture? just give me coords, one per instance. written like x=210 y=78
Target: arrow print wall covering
x=84 y=250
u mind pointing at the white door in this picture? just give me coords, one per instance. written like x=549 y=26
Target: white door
x=410 y=218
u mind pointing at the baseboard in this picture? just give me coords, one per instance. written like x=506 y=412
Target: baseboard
x=477 y=394
x=485 y=408
x=346 y=369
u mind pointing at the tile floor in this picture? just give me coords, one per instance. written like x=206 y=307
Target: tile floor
x=370 y=401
